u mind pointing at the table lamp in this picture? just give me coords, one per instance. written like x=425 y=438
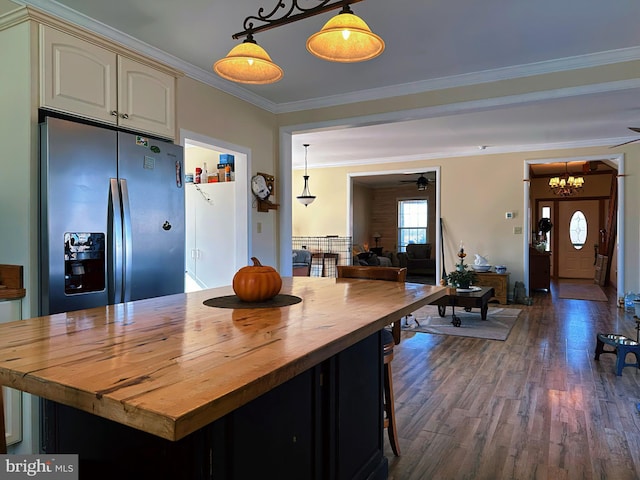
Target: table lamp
x=377 y=237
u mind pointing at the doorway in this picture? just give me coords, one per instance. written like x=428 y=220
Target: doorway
x=617 y=163
x=577 y=230
x=394 y=186
x=216 y=214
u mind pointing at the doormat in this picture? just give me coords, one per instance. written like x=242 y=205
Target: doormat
x=581 y=291
x=497 y=326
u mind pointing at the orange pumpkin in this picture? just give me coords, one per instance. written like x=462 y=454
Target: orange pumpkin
x=256 y=282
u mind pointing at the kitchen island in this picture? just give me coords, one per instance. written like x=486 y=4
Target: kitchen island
x=173 y=387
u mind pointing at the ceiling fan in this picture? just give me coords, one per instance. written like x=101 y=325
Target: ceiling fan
x=635 y=129
x=422 y=182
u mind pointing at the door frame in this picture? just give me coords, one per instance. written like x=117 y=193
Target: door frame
x=242 y=201
x=436 y=169
x=618 y=161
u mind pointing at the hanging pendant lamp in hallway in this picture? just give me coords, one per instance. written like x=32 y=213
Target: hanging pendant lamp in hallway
x=305 y=197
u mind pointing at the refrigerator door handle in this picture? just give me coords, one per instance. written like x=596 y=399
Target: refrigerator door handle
x=114 y=265
x=126 y=222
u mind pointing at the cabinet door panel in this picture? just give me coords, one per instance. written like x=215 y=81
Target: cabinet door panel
x=358 y=417
x=77 y=76
x=145 y=98
x=254 y=438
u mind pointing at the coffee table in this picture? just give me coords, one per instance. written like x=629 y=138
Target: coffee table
x=477 y=297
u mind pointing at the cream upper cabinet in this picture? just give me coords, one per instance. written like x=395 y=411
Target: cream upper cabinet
x=146 y=98
x=85 y=79
x=77 y=76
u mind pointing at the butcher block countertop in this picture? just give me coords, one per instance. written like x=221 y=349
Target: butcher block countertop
x=171 y=365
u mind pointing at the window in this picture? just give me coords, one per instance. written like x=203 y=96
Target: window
x=578 y=229
x=546 y=213
x=412 y=222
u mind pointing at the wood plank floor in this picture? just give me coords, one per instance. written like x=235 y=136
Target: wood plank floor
x=536 y=406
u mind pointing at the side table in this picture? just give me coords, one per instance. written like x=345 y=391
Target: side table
x=499 y=282
x=478 y=298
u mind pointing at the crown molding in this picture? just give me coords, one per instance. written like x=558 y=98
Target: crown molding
x=468 y=79
x=21 y=15
x=209 y=78
x=474 y=106
x=506 y=73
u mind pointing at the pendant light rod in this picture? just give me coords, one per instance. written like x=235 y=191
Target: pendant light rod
x=306 y=146
x=289 y=16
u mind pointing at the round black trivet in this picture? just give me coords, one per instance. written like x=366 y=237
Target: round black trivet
x=233 y=301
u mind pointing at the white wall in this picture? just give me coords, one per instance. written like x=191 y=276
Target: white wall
x=205 y=111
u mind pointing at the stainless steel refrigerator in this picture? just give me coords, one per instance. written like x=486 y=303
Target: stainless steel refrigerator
x=112 y=217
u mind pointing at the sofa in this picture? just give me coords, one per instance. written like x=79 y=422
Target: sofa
x=418 y=259
x=368 y=258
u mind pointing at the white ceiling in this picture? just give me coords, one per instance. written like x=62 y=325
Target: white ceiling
x=428 y=45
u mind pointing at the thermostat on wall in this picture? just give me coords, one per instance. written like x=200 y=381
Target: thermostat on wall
x=508 y=215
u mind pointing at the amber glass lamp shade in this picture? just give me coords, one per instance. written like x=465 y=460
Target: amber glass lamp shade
x=248 y=63
x=346 y=38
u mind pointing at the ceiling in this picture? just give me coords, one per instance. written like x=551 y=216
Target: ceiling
x=429 y=45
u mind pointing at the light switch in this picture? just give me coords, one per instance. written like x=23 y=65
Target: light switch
x=259 y=227
x=517 y=230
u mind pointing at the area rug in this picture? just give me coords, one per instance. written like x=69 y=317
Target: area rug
x=497 y=326
x=581 y=291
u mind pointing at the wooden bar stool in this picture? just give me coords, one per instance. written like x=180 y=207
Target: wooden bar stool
x=389 y=399
x=389 y=340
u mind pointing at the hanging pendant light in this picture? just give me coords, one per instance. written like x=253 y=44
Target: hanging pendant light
x=346 y=38
x=306 y=198
x=248 y=63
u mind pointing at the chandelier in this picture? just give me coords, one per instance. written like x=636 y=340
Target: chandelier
x=345 y=38
x=565 y=185
x=305 y=197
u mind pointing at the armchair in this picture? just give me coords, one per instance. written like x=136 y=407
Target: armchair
x=418 y=259
x=302 y=263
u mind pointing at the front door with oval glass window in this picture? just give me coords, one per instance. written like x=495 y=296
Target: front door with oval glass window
x=577 y=235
